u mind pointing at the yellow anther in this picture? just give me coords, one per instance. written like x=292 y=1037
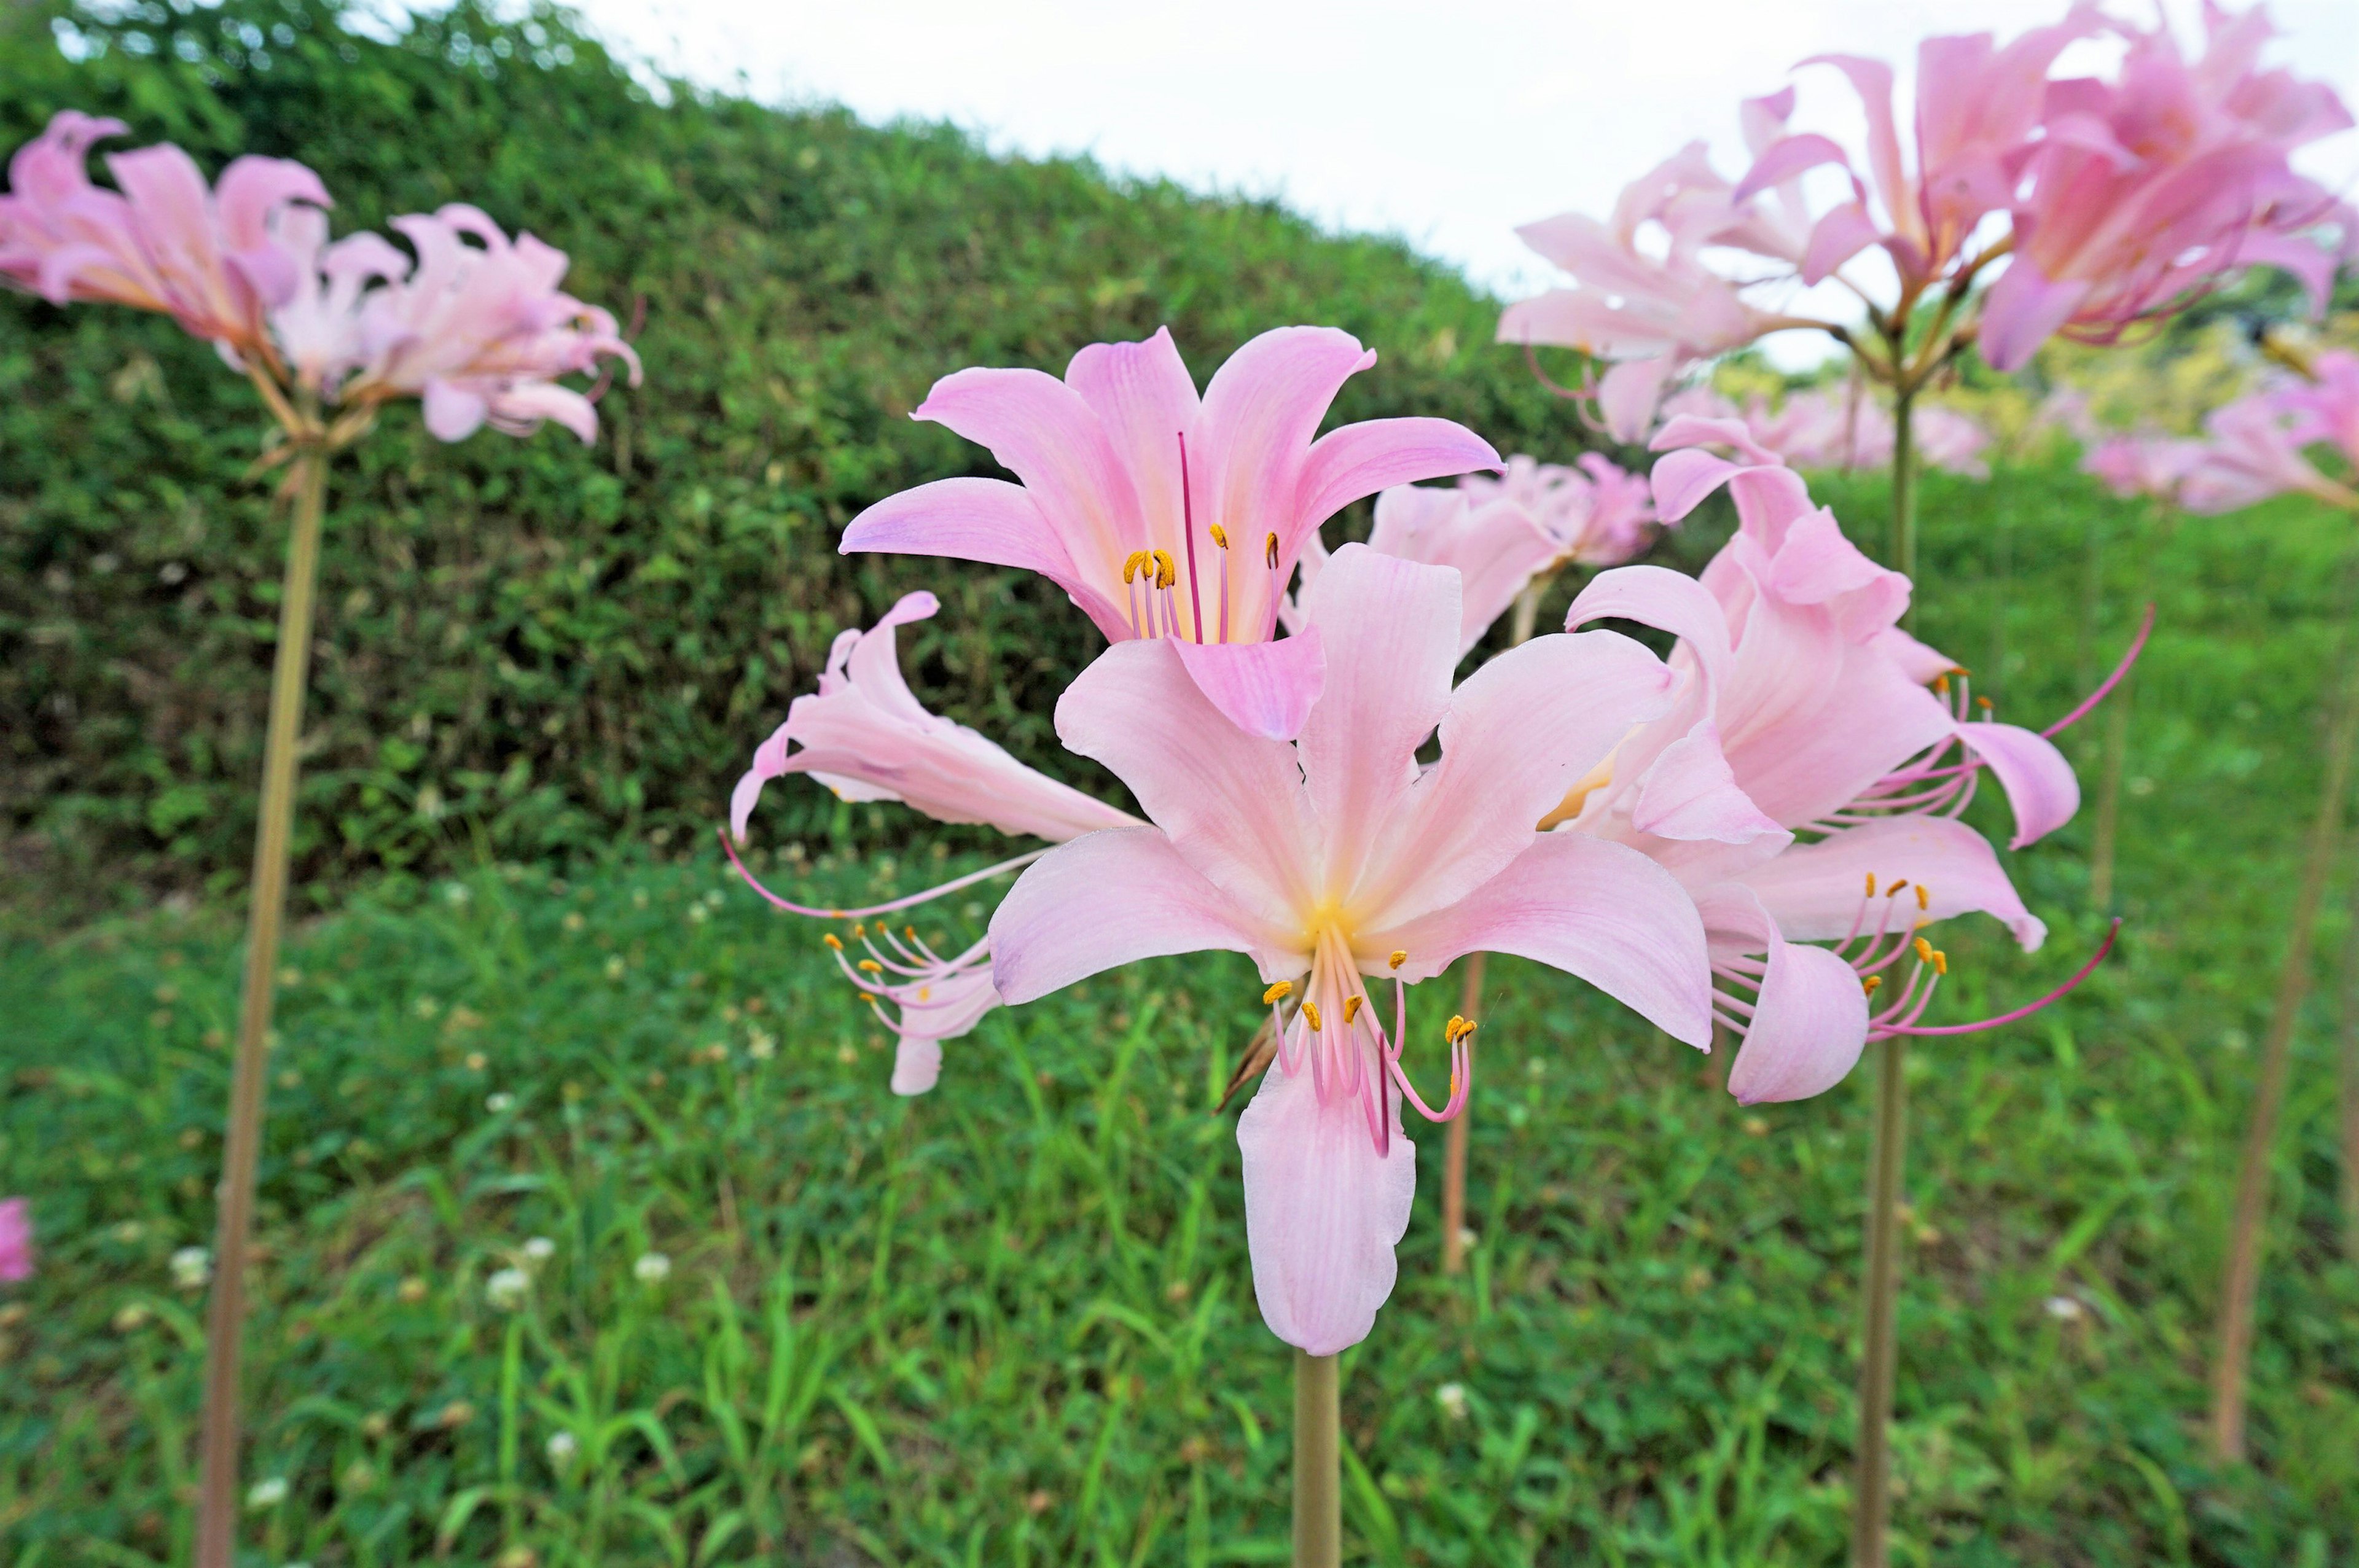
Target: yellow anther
x=1941 y=686
x=1984 y=703
x=1468 y=1032
x=1167 y=571
x=1310 y=1012
x=1871 y=884
x=1923 y=901
x=910 y=932
x=870 y=966
x=925 y=993
x=1130 y=566
x=1960 y=670
x=1400 y=956
x=1894 y=891
x=1283 y=988
x=859 y=930
x=1219 y=536
x=1940 y=962
x=1351 y=1007
x=866 y=997
x=1269 y=552
x=1869 y=984
x=832 y=940
x=1924 y=951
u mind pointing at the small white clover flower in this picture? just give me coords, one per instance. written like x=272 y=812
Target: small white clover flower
x=456 y=894
x=1452 y=1398
x=562 y=1447
x=539 y=1249
x=505 y=1290
x=2064 y=1309
x=652 y=1269
x=761 y=1046
x=267 y=1493
x=498 y=1101
x=697 y=915
x=192 y=1267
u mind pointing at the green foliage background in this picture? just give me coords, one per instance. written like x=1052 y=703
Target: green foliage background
x=528 y=647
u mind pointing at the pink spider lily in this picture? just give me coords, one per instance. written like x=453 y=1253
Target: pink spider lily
x=1336 y=858
x=2150 y=188
x=479 y=331
x=2144 y=464
x=1597 y=513
x=1806 y=710
x=208 y=258
x=1164 y=515
x=15 y=1241
x=2260 y=446
x=866 y=736
x=1813 y=429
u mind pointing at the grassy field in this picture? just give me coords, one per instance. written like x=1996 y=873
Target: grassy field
x=1012 y=1322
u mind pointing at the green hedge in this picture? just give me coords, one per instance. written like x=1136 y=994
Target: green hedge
x=528 y=648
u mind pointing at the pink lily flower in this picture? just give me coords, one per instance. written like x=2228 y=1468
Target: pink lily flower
x=2146 y=190
x=2145 y=464
x=479 y=331
x=1164 y=515
x=163 y=242
x=1599 y=514
x=2327 y=408
x=2256 y=448
x=866 y=736
x=16 y=1240
x=1806 y=710
x=1336 y=858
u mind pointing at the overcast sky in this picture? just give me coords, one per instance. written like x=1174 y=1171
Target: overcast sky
x=1447 y=123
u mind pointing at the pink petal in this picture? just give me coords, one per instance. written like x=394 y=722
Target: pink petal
x=1520 y=733
x=985 y=520
x=916 y=1064
x=1357 y=461
x=1669 y=601
x=1689 y=793
x=1232 y=801
x=1788 y=159
x=1598 y=910
x=1919 y=662
x=1815 y=891
x=1841 y=233
x=2038 y=782
x=1040 y=429
x=1628 y=394
x=521 y=407
x=1264 y=688
x=452 y=412
x=1261 y=409
x=1391 y=632
x=1144 y=398
x=1110 y=899
x=2022 y=311
x=1810 y=1020
x=1323 y=1211
x=17 y=1240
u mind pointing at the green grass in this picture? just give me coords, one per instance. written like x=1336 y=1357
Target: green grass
x=1012 y=1322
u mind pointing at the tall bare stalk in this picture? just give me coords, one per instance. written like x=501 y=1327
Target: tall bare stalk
x=2348 y=1085
x=1318 y=1463
x=225 y=1328
x=1887 y=1158
x=2248 y=1226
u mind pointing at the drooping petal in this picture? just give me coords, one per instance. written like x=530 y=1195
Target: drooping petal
x=916 y=1064
x=1691 y=793
x=1324 y=1209
x=1815 y=892
x=985 y=520
x=2038 y=782
x=1809 y=1017
x=1039 y=428
x=1112 y=898
x=1628 y=394
x=2023 y=310
x=1601 y=911
x=1264 y=688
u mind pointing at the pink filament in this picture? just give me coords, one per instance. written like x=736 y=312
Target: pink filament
x=2058 y=994
x=911 y=901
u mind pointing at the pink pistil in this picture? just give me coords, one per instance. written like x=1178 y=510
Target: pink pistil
x=2058 y=994
x=911 y=901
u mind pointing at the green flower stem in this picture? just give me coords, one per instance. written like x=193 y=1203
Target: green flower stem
x=217 y=1491
x=1317 y=1471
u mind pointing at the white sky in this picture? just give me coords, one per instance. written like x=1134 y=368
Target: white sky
x=1447 y=123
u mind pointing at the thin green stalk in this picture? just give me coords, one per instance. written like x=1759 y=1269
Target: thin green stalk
x=2107 y=832
x=2002 y=575
x=1318 y=1468
x=1879 y=1338
x=217 y=1491
x=2348 y=1086
x=2249 y=1224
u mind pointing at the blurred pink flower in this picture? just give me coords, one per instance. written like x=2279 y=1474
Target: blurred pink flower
x=478 y=331
x=163 y=242
x=1848 y=431
x=2256 y=448
x=866 y=736
x=1805 y=710
x=2145 y=464
x=2326 y=410
x=16 y=1240
x=1336 y=857
x=2153 y=186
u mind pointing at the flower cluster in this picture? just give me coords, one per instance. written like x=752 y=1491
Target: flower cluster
x=2110 y=200
x=1675 y=832
x=476 y=328
x=1814 y=430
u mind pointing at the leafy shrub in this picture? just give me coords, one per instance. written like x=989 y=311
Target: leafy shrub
x=528 y=648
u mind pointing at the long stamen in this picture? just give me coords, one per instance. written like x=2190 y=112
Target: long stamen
x=1276 y=585
x=1221 y=539
x=1017 y=864
x=2058 y=994
x=2137 y=646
